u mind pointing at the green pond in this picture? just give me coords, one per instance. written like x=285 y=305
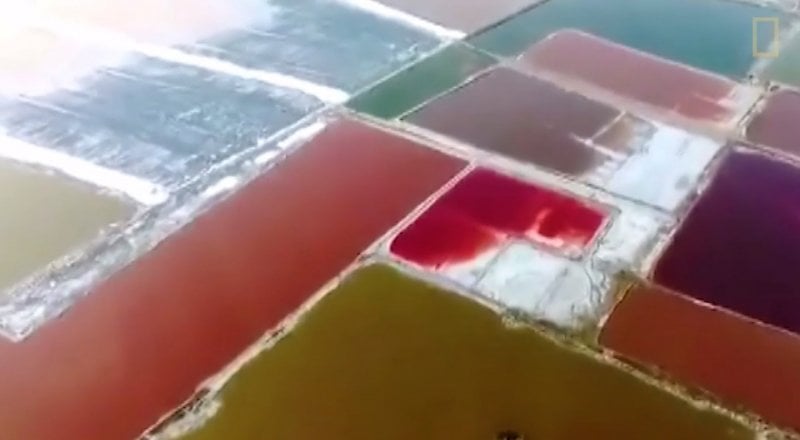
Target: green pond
x=387 y=357
x=421 y=82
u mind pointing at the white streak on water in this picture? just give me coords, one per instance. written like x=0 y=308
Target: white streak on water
x=140 y=190
x=410 y=20
x=226 y=184
x=118 y=41
x=299 y=136
x=302 y=135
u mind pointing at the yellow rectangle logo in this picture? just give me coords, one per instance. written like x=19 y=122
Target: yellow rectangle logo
x=774 y=43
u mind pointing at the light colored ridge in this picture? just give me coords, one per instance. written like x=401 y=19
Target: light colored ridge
x=226 y=184
x=142 y=191
x=117 y=41
x=301 y=135
x=410 y=20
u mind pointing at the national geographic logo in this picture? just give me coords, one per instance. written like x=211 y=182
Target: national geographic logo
x=766 y=34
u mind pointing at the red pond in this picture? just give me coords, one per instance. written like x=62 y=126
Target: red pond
x=743 y=362
x=139 y=344
x=486 y=207
x=625 y=72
